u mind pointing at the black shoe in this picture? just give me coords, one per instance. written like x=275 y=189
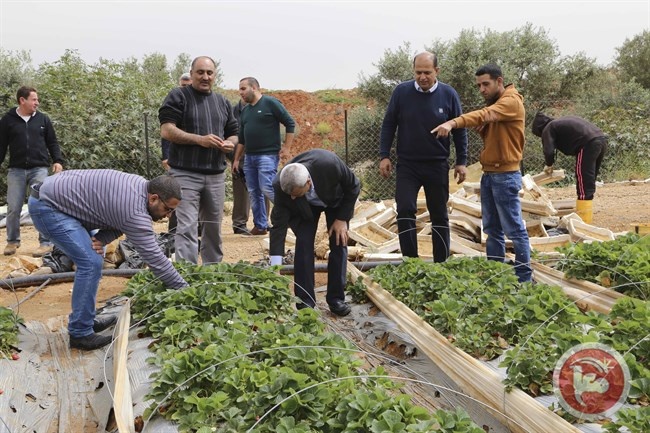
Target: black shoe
x=90 y=342
x=340 y=308
x=240 y=230
x=103 y=322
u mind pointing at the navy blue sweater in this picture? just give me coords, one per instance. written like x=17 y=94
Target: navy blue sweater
x=413 y=115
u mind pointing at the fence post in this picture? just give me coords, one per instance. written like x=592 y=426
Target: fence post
x=146 y=145
x=345 y=123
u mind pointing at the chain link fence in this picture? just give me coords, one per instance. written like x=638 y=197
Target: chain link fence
x=625 y=158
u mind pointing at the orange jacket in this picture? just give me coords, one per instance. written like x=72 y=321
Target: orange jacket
x=502 y=130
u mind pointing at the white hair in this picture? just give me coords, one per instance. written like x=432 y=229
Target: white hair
x=292 y=176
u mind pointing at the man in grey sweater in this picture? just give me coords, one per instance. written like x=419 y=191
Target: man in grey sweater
x=66 y=207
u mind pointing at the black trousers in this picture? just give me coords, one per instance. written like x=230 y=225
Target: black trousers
x=588 y=162
x=434 y=177
x=305 y=231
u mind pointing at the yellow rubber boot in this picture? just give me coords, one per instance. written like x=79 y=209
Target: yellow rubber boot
x=585 y=210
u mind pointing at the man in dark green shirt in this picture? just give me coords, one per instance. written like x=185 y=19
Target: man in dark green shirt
x=260 y=139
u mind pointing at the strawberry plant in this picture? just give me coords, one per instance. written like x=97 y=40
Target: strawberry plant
x=8 y=331
x=233 y=356
x=622 y=264
x=482 y=309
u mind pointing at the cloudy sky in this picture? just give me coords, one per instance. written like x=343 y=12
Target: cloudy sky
x=308 y=45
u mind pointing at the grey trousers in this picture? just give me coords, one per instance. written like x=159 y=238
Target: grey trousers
x=203 y=199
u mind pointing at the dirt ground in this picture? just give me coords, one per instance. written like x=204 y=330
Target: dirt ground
x=616 y=206
x=54 y=299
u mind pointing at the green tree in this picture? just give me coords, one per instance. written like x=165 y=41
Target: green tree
x=634 y=59
x=15 y=70
x=181 y=65
x=527 y=56
x=393 y=68
x=154 y=69
x=579 y=73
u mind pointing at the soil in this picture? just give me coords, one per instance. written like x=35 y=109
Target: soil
x=617 y=207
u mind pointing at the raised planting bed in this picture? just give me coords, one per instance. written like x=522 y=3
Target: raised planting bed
x=478 y=306
x=232 y=355
x=622 y=264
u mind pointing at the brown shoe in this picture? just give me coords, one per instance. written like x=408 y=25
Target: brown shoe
x=10 y=249
x=42 y=250
x=257 y=232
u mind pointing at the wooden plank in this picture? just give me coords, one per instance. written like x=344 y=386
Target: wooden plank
x=465 y=247
x=471 y=207
x=641 y=229
x=588 y=295
x=375 y=237
x=537 y=208
x=368 y=210
x=567 y=203
x=536 y=229
x=548 y=244
x=543 y=178
x=385 y=218
x=472 y=188
x=514 y=409
x=123 y=401
x=583 y=231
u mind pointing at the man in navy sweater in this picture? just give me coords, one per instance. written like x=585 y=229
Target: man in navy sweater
x=415 y=108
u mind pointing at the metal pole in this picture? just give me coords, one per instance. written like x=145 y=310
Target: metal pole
x=345 y=113
x=146 y=145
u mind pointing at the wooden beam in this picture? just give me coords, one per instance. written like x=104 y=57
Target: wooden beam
x=122 y=399
x=588 y=295
x=515 y=409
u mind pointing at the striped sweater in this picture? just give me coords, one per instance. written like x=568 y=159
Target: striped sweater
x=115 y=203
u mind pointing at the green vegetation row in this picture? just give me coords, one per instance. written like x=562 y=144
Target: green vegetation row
x=622 y=264
x=9 y=322
x=481 y=308
x=234 y=356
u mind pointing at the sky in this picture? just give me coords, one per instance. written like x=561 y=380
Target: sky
x=301 y=45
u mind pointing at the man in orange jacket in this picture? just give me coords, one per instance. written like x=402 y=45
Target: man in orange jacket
x=501 y=125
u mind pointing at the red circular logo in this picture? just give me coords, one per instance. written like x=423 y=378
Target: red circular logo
x=591 y=381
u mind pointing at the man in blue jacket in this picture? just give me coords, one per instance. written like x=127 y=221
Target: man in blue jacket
x=29 y=137
x=416 y=107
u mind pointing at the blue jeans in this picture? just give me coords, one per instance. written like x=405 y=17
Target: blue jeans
x=260 y=170
x=73 y=239
x=501 y=210
x=18 y=180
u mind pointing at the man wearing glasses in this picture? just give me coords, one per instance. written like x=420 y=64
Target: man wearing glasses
x=68 y=206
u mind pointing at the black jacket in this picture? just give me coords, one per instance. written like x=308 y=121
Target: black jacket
x=334 y=183
x=567 y=134
x=30 y=144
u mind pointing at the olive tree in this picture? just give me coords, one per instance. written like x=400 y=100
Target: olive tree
x=633 y=59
